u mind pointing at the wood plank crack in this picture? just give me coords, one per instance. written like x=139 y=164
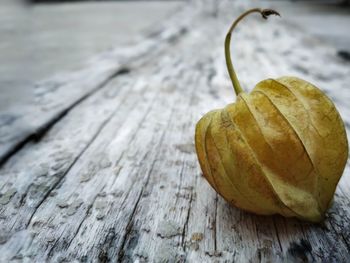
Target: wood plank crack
x=128 y=228
x=277 y=234
x=70 y=167
x=185 y=226
x=40 y=131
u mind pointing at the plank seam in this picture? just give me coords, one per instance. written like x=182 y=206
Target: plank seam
x=38 y=134
x=71 y=166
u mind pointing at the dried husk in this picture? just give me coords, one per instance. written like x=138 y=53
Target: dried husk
x=279 y=150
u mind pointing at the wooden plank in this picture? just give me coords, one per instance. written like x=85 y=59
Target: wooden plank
x=117 y=178
x=54 y=97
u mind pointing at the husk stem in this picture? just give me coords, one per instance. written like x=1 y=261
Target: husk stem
x=235 y=82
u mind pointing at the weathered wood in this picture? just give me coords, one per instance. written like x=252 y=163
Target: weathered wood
x=117 y=179
x=54 y=97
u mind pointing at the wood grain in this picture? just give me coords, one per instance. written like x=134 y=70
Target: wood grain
x=116 y=178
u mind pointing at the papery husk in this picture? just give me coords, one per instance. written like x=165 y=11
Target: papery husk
x=279 y=150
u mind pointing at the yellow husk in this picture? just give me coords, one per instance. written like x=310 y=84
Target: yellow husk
x=279 y=150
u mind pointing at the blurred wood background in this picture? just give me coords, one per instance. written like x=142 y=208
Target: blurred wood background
x=106 y=170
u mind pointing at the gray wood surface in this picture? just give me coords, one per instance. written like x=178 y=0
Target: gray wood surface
x=115 y=177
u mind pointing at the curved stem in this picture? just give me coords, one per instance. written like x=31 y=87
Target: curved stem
x=265 y=13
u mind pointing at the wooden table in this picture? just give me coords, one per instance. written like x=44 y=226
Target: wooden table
x=101 y=166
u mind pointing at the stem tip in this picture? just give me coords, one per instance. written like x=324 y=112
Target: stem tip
x=267 y=12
